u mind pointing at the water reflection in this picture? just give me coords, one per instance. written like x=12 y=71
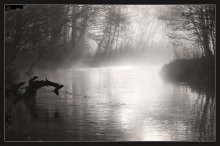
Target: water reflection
x=115 y=104
x=204 y=124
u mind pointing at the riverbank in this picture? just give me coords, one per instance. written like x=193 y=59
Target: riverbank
x=198 y=73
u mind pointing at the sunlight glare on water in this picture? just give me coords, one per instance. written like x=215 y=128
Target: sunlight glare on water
x=119 y=103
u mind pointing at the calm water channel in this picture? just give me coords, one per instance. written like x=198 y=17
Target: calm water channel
x=114 y=104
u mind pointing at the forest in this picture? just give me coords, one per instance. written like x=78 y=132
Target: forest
x=193 y=62
x=58 y=36
x=90 y=72
x=50 y=36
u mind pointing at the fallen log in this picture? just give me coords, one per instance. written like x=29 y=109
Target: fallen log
x=35 y=84
x=31 y=89
x=29 y=96
x=39 y=84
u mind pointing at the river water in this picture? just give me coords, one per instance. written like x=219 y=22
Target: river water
x=114 y=104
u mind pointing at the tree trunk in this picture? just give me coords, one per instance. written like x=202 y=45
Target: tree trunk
x=73 y=32
x=205 y=34
x=16 y=42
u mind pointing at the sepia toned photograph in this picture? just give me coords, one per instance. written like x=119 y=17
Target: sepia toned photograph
x=109 y=73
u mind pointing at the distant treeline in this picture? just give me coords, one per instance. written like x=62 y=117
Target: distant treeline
x=192 y=33
x=199 y=72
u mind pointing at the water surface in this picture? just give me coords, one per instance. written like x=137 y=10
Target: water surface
x=114 y=104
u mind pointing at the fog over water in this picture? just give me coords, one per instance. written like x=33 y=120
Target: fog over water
x=110 y=73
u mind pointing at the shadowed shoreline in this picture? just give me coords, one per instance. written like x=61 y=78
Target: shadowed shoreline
x=198 y=73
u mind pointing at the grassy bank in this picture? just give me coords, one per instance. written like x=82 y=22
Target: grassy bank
x=199 y=72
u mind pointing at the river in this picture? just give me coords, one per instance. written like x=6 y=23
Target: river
x=124 y=103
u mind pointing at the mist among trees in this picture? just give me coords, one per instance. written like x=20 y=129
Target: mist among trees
x=53 y=36
x=110 y=72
